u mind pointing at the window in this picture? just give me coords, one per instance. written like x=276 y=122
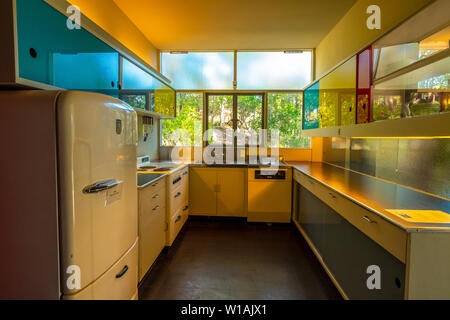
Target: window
x=189 y=118
x=273 y=70
x=199 y=70
x=284 y=113
x=229 y=113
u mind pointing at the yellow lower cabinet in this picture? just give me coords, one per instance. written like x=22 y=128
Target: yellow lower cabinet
x=231 y=193
x=202 y=187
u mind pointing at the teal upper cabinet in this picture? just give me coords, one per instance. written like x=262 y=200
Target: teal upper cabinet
x=40 y=51
x=311 y=107
x=51 y=53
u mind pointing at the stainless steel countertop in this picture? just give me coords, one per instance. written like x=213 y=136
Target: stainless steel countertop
x=146 y=179
x=377 y=195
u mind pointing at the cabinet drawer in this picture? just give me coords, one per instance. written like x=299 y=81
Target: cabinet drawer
x=147 y=214
x=305 y=181
x=389 y=236
x=178 y=198
x=156 y=187
x=118 y=283
x=175 y=225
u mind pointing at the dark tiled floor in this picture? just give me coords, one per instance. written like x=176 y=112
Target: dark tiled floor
x=235 y=260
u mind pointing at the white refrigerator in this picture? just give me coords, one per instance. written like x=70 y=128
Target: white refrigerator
x=69 y=217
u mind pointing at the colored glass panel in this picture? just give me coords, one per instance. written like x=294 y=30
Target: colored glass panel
x=337 y=97
x=311 y=107
x=59 y=56
x=364 y=86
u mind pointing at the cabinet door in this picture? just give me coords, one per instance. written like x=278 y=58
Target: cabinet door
x=202 y=186
x=51 y=53
x=348 y=252
x=310 y=216
x=231 y=193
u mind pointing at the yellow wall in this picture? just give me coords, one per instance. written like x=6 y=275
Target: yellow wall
x=107 y=15
x=351 y=34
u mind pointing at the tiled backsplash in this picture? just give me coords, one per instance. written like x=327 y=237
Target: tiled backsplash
x=423 y=164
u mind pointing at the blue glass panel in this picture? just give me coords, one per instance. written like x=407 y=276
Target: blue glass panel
x=71 y=59
x=86 y=71
x=311 y=107
x=134 y=78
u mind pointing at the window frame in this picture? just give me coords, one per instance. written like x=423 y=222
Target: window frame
x=235 y=66
x=205 y=119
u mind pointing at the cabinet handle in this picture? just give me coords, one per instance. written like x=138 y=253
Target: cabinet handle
x=122 y=273
x=155 y=185
x=178 y=194
x=185 y=208
x=156 y=208
x=185 y=174
x=156 y=196
x=368 y=219
x=332 y=195
x=178 y=219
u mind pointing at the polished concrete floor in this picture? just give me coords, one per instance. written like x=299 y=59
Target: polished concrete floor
x=216 y=260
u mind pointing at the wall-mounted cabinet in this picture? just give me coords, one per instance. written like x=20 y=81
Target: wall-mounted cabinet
x=404 y=75
x=41 y=51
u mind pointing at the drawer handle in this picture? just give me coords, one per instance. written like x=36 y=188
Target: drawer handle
x=122 y=273
x=332 y=195
x=156 y=196
x=368 y=219
x=178 y=195
x=156 y=208
x=178 y=219
x=177 y=180
x=185 y=174
x=155 y=185
x=185 y=208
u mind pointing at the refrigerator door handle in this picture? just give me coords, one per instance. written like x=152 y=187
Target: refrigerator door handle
x=122 y=273
x=101 y=186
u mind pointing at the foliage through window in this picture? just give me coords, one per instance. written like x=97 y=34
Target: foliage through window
x=285 y=114
x=189 y=118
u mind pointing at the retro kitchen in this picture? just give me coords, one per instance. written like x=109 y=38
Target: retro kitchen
x=225 y=150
